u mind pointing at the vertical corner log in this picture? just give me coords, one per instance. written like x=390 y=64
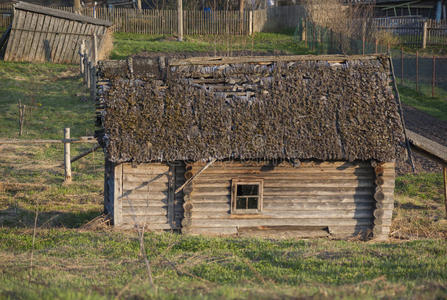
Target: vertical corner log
x=180 y=20
x=171 y=196
x=187 y=207
x=384 y=196
x=67 y=161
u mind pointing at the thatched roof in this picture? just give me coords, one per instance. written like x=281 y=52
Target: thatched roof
x=286 y=107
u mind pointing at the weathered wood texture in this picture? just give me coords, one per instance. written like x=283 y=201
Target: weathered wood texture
x=144 y=196
x=384 y=196
x=338 y=195
x=338 y=199
x=41 y=34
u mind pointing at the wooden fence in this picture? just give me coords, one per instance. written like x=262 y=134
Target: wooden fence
x=417 y=32
x=152 y=21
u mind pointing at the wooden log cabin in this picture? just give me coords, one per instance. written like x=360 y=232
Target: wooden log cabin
x=272 y=146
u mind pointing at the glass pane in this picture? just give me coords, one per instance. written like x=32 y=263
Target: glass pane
x=241 y=203
x=252 y=203
x=247 y=189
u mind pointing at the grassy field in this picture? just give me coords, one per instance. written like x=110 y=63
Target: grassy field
x=75 y=256
x=126 y=44
x=435 y=106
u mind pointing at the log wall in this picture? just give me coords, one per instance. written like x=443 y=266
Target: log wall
x=329 y=198
x=310 y=199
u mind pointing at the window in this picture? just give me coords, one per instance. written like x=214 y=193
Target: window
x=246 y=196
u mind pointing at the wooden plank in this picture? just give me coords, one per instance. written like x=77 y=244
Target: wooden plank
x=345 y=198
x=289 y=176
x=49 y=39
x=58 y=40
x=129 y=223
x=59 y=13
x=145 y=220
x=70 y=53
x=40 y=50
x=17 y=35
x=66 y=48
x=28 y=37
x=145 y=202
x=33 y=53
x=12 y=36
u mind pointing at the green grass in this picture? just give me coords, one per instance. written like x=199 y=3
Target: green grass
x=422 y=100
x=55 y=96
x=126 y=44
x=103 y=264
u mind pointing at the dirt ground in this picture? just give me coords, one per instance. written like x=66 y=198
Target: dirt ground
x=428 y=126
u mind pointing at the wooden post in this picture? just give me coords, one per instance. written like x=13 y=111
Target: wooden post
x=363 y=37
x=180 y=20
x=93 y=83
x=85 y=65
x=81 y=55
x=94 y=49
x=417 y=71
x=402 y=65
x=433 y=77
x=139 y=5
x=444 y=172
x=424 y=35
x=250 y=22
x=77 y=6
x=67 y=162
x=89 y=74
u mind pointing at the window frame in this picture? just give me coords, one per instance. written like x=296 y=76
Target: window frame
x=247 y=181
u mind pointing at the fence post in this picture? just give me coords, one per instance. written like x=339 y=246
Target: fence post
x=250 y=22
x=444 y=173
x=85 y=65
x=81 y=57
x=402 y=65
x=95 y=49
x=417 y=71
x=433 y=78
x=67 y=162
x=424 y=35
x=89 y=74
x=180 y=20
x=93 y=82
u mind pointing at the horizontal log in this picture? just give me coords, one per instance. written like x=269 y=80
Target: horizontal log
x=228 y=176
x=274 y=183
x=267 y=206
x=216 y=231
x=145 y=187
x=144 y=195
x=144 y=219
x=279 y=222
x=159 y=177
x=350 y=230
x=347 y=198
x=152 y=168
x=289 y=214
x=144 y=211
x=130 y=224
x=339 y=165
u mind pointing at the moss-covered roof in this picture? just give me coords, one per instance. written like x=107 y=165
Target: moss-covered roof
x=296 y=107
